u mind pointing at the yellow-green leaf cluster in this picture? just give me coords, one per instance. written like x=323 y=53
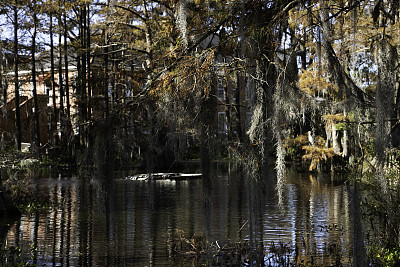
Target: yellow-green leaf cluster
x=313 y=83
x=335 y=118
x=317 y=153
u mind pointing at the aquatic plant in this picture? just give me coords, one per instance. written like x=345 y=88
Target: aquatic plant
x=10 y=256
x=199 y=252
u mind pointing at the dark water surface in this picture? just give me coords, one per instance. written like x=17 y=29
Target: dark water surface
x=131 y=223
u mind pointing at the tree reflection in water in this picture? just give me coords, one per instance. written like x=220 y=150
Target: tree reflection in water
x=131 y=223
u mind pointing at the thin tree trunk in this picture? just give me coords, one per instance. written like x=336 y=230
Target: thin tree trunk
x=35 y=100
x=83 y=59
x=269 y=110
x=239 y=85
x=53 y=85
x=3 y=84
x=206 y=116
x=228 y=104
x=89 y=89
x=81 y=86
x=17 y=111
x=151 y=117
x=60 y=77
x=66 y=91
x=3 y=88
x=345 y=140
x=114 y=77
x=89 y=81
x=335 y=139
x=106 y=79
x=149 y=42
x=303 y=52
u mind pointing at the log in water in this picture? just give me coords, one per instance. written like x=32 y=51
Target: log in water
x=164 y=176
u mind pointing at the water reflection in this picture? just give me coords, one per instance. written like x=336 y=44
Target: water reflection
x=131 y=223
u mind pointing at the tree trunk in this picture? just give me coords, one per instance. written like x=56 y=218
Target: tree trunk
x=89 y=89
x=83 y=64
x=3 y=84
x=385 y=91
x=53 y=86
x=151 y=108
x=228 y=104
x=60 y=77
x=60 y=80
x=16 y=81
x=81 y=87
x=66 y=64
x=335 y=139
x=345 y=140
x=114 y=77
x=106 y=79
x=240 y=84
x=35 y=100
x=303 y=52
x=89 y=77
x=207 y=112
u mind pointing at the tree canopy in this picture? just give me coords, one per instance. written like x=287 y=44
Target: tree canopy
x=328 y=68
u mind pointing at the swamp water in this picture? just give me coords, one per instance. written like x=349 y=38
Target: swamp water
x=132 y=223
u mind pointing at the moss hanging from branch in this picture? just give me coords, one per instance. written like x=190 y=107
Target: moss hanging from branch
x=181 y=22
x=256 y=131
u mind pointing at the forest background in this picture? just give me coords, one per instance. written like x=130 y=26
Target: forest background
x=322 y=77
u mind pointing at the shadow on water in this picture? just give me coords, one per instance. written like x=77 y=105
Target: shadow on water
x=103 y=222
x=359 y=250
x=258 y=192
